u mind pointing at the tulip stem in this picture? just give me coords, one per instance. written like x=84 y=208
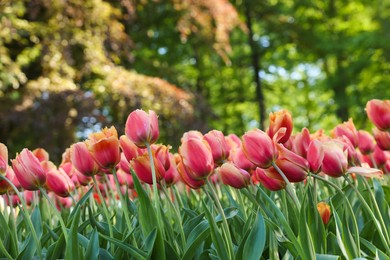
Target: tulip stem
x=26 y=216
x=63 y=226
x=289 y=188
x=123 y=201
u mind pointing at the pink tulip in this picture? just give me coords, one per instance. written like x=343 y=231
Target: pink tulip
x=219 y=146
x=192 y=134
x=335 y=160
x=83 y=179
x=300 y=142
x=82 y=160
x=41 y=154
x=141 y=166
x=259 y=148
x=28 y=170
x=233 y=176
x=59 y=182
x=197 y=158
x=129 y=149
x=233 y=141
x=171 y=175
x=124 y=165
x=63 y=202
x=378 y=111
x=382 y=139
x=142 y=128
x=239 y=159
x=379 y=156
x=366 y=142
x=278 y=120
x=292 y=165
x=348 y=130
x=3 y=159
x=4 y=185
x=315 y=156
x=161 y=153
x=186 y=178
x=266 y=178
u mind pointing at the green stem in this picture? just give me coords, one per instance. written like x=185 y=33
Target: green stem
x=12 y=219
x=26 y=216
x=224 y=221
x=63 y=226
x=289 y=188
x=123 y=201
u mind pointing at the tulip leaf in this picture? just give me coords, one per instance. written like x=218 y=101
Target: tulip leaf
x=93 y=246
x=197 y=236
x=192 y=223
x=80 y=203
x=131 y=250
x=305 y=237
x=383 y=205
x=56 y=250
x=326 y=257
x=229 y=213
x=374 y=250
x=149 y=242
x=273 y=247
x=255 y=242
x=72 y=246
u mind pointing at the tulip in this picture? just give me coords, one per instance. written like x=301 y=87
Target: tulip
x=82 y=160
x=259 y=148
x=278 y=120
x=219 y=146
x=171 y=175
x=14 y=200
x=348 y=146
x=68 y=168
x=265 y=177
x=141 y=166
x=315 y=156
x=335 y=160
x=129 y=149
x=379 y=156
x=382 y=139
x=66 y=156
x=233 y=141
x=366 y=172
x=59 y=182
x=300 y=142
x=124 y=165
x=239 y=159
x=41 y=154
x=192 y=134
x=63 y=202
x=324 y=211
x=197 y=158
x=378 y=111
x=161 y=153
x=292 y=165
x=83 y=179
x=186 y=178
x=28 y=170
x=4 y=185
x=348 y=130
x=142 y=128
x=233 y=176
x=3 y=159
x=366 y=142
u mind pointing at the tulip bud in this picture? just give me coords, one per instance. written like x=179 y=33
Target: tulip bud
x=28 y=170
x=266 y=178
x=382 y=139
x=58 y=182
x=218 y=145
x=259 y=148
x=186 y=178
x=4 y=185
x=239 y=159
x=142 y=128
x=171 y=175
x=141 y=166
x=335 y=160
x=162 y=154
x=278 y=120
x=3 y=159
x=347 y=129
x=378 y=111
x=82 y=160
x=366 y=142
x=324 y=211
x=315 y=156
x=233 y=176
x=300 y=143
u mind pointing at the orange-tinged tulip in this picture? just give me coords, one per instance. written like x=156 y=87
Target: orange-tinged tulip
x=292 y=165
x=28 y=170
x=324 y=211
x=171 y=175
x=82 y=159
x=141 y=166
x=233 y=176
x=59 y=182
x=266 y=178
x=129 y=149
x=278 y=120
x=142 y=128
x=191 y=134
x=41 y=154
x=161 y=153
x=219 y=146
x=197 y=158
x=366 y=142
x=233 y=141
x=378 y=111
x=335 y=160
x=259 y=148
x=186 y=178
x=348 y=130
x=382 y=139
x=3 y=158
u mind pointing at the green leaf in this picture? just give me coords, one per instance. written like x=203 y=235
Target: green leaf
x=149 y=242
x=374 y=250
x=72 y=248
x=93 y=246
x=80 y=203
x=305 y=236
x=229 y=213
x=133 y=251
x=195 y=238
x=254 y=245
x=326 y=257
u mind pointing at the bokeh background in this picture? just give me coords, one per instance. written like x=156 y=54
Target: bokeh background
x=71 y=67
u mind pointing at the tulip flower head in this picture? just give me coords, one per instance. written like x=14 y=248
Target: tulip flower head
x=82 y=159
x=4 y=185
x=278 y=120
x=142 y=128
x=348 y=130
x=292 y=165
x=141 y=166
x=269 y=178
x=234 y=176
x=366 y=142
x=324 y=211
x=382 y=139
x=219 y=146
x=335 y=160
x=315 y=156
x=378 y=111
x=59 y=182
x=3 y=158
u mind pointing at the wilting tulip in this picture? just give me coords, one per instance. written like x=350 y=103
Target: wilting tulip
x=239 y=159
x=129 y=149
x=233 y=176
x=41 y=154
x=82 y=160
x=197 y=158
x=3 y=158
x=278 y=120
x=335 y=160
x=378 y=111
x=59 y=182
x=300 y=142
x=366 y=142
x=348 y=130
x=219 y=146
x=142 y=128
x=4 y=185
x=324 y=211
x=382 y=139
x=315 y=156
x=185 y=177
x=259 y=148
x=266 y=179
x=28 y=170
x=292 y=165
x=141 y=166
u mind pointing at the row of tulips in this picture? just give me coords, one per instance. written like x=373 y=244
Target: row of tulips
x=269 y=194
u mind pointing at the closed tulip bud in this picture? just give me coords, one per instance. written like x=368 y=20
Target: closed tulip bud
x=335 y=162
x=141 y=166
x=292 y=165
x=278 y=120
x=267 y=179
x=59 y=182
x=171 y=175
x=219 y=146
x=233 y=176
x=315 y=156
x=129 y=148
x=378 y=111
x=382 y=139
x=142 y=128
x=366 y=142
x=4 y=185
x=197 y=158
x=3 y=159
x=259 y=148
x=348 y=130
x=300 y=143
x=324 y=211
x=28 y=170
x=82 y=159
x=41 y=154
x=239 y=159
x=186 y=178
